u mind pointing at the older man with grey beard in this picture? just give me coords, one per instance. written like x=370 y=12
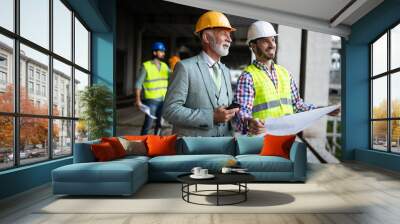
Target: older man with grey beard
x=200 y=90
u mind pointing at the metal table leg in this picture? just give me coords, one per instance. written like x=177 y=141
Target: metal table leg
x=217 y=194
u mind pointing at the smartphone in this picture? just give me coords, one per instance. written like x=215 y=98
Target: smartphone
x=233 y=106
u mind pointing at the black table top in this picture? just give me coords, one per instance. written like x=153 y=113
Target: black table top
x=220 y=178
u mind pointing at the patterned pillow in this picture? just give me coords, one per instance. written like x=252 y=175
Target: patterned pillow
x=134 y=147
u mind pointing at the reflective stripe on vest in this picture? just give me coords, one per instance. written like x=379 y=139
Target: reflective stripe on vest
x=156 y=82
x=271 y=102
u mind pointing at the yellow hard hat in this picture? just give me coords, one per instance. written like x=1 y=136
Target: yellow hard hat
x=212 y=19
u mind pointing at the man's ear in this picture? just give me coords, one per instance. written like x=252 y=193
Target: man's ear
x=205 y=37
x=252 y=46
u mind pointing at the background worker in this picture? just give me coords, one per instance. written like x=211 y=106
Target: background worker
x=200 y=88
x=265 y=89
x=173 y=60
x=153 y=80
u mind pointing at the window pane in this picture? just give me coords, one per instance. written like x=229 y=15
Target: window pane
x=6 y=142
x=62 y=138
x=35 y=21
x=379 y=98
x=395 y=94
x=62 y=89
x=395 y=47
x=33 y=139
x=34 y=72
x=81 y=81
x=395 y=135
x=81 y=45
x=7 y=14
x=6 y=74
x=81 y=131
x=379 y=55
x=379 y=135
x=62 y=29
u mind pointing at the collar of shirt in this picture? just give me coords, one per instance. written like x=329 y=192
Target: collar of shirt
x=210 y=62
x=272 y=75
x=264 y=67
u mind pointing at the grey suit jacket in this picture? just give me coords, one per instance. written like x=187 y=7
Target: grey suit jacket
x=190 y=101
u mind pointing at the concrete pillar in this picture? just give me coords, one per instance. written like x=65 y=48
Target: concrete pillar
x=130 y=72
x=317 y=88
x=289 y=50
x=138 y=38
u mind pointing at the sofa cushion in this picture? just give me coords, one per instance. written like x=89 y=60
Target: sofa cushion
x=257 y=163
x=249 y=145
x=112 y=171
x=185 y=163
x=207 y=145
x=135 y=157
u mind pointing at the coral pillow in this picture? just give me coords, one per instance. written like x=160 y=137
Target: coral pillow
x=103 y=152
x=136 y=137
x=277 y=145
x=161 y=145
x=116 y=145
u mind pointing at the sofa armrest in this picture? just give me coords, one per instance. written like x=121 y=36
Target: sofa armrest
x=298 y=155
x=83 y=152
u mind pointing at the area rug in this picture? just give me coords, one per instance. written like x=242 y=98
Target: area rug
x=167 y=198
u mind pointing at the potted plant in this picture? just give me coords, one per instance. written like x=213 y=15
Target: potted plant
x=96 y=104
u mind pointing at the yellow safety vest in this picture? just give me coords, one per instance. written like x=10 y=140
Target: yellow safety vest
x=156 y=82
x=271 y=102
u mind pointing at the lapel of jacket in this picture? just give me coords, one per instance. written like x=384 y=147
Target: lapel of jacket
x=227 y=79
x=208 y=82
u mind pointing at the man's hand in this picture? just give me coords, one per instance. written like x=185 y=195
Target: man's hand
x=335 y=112
x=222 y=115
x=138 y=104
x=255 y=126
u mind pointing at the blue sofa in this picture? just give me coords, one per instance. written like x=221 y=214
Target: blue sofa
x=125 y=176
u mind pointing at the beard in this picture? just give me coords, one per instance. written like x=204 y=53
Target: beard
x=221 y=49
x=264 y=54
x=159 y=57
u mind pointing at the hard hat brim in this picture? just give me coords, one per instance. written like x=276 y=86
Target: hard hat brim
x=212 y=27
x=248 y=41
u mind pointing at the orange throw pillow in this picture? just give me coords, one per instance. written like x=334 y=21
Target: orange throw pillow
x=116 y=145
x=277 y=145
x=103 y=152
x=161 y=145
x=136 y=137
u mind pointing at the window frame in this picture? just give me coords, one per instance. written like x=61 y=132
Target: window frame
x=388 y=74
x=16 y=114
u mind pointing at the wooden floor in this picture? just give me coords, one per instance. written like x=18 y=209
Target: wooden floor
x=378 y=189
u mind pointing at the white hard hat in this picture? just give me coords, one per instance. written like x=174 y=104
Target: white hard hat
x=260 y=29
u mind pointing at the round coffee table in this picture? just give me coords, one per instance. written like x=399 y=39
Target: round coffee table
x=238 y=179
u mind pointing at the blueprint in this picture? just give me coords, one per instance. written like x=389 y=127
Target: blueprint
x=145 y=109
x=293 y=124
